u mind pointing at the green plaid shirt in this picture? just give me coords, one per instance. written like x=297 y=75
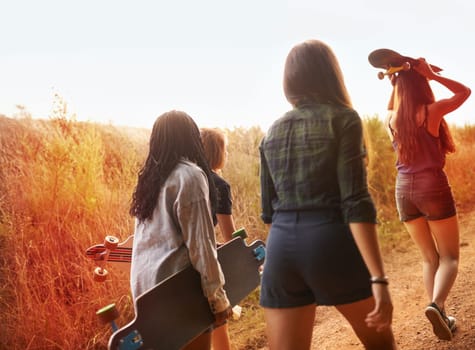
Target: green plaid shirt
x=313 y=158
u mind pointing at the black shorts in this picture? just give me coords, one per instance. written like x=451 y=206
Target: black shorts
x=426 y=194
x=312 y=258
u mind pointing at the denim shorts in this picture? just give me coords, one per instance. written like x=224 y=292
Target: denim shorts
x=312 y=258
x=426 y=194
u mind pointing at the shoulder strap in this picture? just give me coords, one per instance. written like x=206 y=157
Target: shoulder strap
x=389 y=126
x=426 y=114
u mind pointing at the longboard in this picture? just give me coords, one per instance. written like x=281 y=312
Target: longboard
x=174 y=312
x=393 y=62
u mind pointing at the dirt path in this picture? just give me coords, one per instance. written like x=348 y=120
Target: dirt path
x=411 y=328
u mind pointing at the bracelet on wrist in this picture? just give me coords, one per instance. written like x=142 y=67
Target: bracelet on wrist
x=379 y=280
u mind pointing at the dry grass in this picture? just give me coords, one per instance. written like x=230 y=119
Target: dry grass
x=61 y=192
x=381 y=175
x=460 y=167
x=64 y=185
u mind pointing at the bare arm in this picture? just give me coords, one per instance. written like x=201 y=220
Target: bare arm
x=440 y=108
x=388 y=122
x=367 y=241
x=226 y=225
x=358 y=210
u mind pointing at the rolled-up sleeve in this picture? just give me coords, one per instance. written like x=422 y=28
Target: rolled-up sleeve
x=267 y=188
x=198 y=234
x=357 y=204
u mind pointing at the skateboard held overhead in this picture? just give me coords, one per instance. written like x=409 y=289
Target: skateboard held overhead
x=393 y=62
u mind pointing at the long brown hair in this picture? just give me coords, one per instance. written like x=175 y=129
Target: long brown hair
x=413 y=93
x=174 y=137
x=312 y=73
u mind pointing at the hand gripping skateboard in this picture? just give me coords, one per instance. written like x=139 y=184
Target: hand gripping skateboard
x=171 y=314
x=174 y=312
x=393 y=62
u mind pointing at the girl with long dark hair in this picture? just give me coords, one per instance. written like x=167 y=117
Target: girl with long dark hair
x=172 y=203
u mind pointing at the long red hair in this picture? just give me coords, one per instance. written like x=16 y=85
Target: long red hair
x=413 y=93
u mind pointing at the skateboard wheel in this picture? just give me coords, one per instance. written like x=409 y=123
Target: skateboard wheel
x=260 y=253
x=100 y=274
x=111 y=242
x=108 y=313
x=380 y=75
x=406 y=66
x=240 y=233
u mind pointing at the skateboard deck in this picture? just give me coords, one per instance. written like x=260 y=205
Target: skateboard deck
x=393 y=62
x=174 y=312
x=120 y=255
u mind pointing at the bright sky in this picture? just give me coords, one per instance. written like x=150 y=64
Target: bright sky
x=126 y=62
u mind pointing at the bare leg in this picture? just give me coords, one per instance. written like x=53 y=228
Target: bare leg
x=446 y=234
x=438 y=242
x=356 y=313
x=420 y=233
x=290 y=328
x=202 y=342
x=220 y=338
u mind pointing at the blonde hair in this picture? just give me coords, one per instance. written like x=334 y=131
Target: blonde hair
x=214 y=144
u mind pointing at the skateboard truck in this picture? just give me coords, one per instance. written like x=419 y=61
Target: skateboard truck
x=259 y=252
x=100 y=273
x=393 y=62
x=175 y=311
x=240 y=233
x=108 y=314
x=391 y=70
x=242 y=278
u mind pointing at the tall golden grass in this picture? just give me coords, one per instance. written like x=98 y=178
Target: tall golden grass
x=64 y=185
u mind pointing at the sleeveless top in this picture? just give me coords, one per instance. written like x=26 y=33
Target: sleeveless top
x=430 y=155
